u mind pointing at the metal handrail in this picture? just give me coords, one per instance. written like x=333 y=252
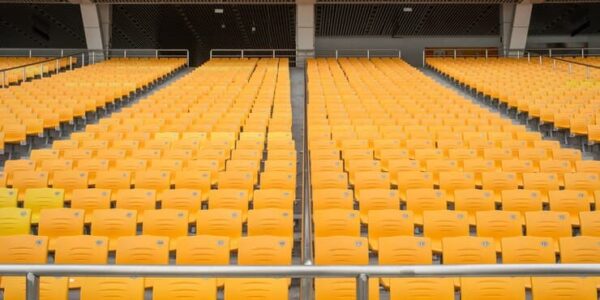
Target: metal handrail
x=56 y=61
x=361 y=273
x=294 y=53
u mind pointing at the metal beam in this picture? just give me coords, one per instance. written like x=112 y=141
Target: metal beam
x=305 y=30
x=515 y=26
x=97 y=19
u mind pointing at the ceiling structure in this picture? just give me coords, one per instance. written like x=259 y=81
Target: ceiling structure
x=565 y=19
x=292 y=1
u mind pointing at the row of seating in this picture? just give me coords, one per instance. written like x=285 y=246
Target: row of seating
x=384 y=137
x=39 y=106
x=209 y=158
x=16 y=76
x=568 y=99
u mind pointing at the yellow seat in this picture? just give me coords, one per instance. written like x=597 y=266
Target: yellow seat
x=142 y=250
x=183 y=199
x=26 y=180
x=541 y=182
x=265 y=250
x=555 y=288
x=336 y=222
x=451 y=181
x=439 y=224
x=580 y=249
x=468 y=250
x=158 y=181
x=324 y=165
x=420 y=200
x=570 y=201
x=499 y=181
x=488 y=288
x=388 y=223
x=404 y=250
x=58 y=222
x=203 y=250
x=43 y=198
x=194 y=180
x=113 y=181
x=113 y=224
x=583 y=181
x=589 y=222
x=377 y=199
x=8 y=197
x=51 y=288
x=527 y=250
x=256 y=288
x=422 y=288
x=23 y=249
x=89 y=200
x=14 y=221
x=521 y=201
x=409 y=180
x=329 y=180
x=549 y=224
x=139 y=200
x=221 y=222
x=117 y=288
x=166 y=222
x=498 y=224
x=70 y=180
x=186 y=288
x=271 y=221
x=472 y=201
x=237 y=199
x=273 y=198
x=39 y=155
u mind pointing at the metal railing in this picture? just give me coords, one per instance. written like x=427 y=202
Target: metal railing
x=361 y=273
x=82 y=57
x=297 y=53
x=39 y=68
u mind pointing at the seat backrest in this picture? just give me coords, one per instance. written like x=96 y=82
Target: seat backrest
x=220 y=222
x=555 y=288
x=265 y=250
x=341 y=250
x=404 y=250
x=14 y=221
x=274 y=198
x=422 y=288
x=23 y=249
x=336 y=222
x=166 y=222
x=271 y=221
x=81 y=249
x=474 y=288
x=114 y=223
x=468 y=250
x=550 y=224
x=121 y=288
x=142 y=250
x=580 y=249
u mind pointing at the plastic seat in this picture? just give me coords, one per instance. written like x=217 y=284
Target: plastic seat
x=23 y=249
x=413 y=180
x=116 y=288
x=158 y=181
x=451 y=181
x=570 y=201
x=420 y=200
x=499 y=181
x=142 y=249
x=549 y=224
x=336 y=222
x=377 y=199
x=221 y=222
x=472 y=201
x=519 y=167
x=580 y=249
x=522 y=201
x=256 y=288
x=209 y=165
x=90 y=200
x=570 y=155
x=329 y=180
x=250 y=166
x=237 y=199
x=274 y=198
x=558 y=167
x=388 y=223
x=325 y=165
x=183 y=199
x=444 y=223
x=332 y=198
x=166 y=222
x=365 y=165
x=17 y=165
x=278 y=180
x=422 y=288
x=265 y=250
x=14 y=221
x=388 y=155
x=588 y=182
x=589 y=222
x=139 y=200
x=27 y=180
x=555 y=288
x=8 y=197
x=51 y=288
x=437 y=166
x=81 y=249
x=70 y=180
x=528 y=250
x=281 y=154
x=39 y=155
x=477 y=167
x=541 y=182
x=92 y=167
x=202 y=250
x=131 y=165
x=43 y=198
x=113 y=181
x=497 y=155
x=468 y=250
x=195 y=180
x=323 y=154
x=184 y=288
x=341 y=250
x=77 y=154
x=57 y=222
x=588 y=166
x=533 y=154
x=488 y=288
x=271 y=221
x=53 y=165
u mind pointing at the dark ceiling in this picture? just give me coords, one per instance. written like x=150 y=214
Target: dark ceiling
x=565 y=19
x=391 y=20
x=41 y=26
x=199 y=28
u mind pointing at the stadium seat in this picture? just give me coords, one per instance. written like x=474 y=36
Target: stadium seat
x=37 y=199
x=271 y=221
x=139 y=200
x=388 y=223
x=439 y=224
x=8 y=197
x=60 y=222
x=549 y=224
x=473 y=201
x=24 y=249
x=143 y=250
x=377 y=199
x=468 y=250
x=553 y=288
x=422 y=288
x=166 y=222
x=81 y=249
x=528 y=250
x=273 y=198
x=221 y=222
x=14 y=221
x=336 y=222
x=113 y=224
x=476 y=288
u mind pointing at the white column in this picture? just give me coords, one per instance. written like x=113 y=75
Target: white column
x=514 y=36
x=305 y=30
x=91 y=26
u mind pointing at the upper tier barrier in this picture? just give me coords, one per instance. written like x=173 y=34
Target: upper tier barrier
x=361 y=273
x=297 y=54
x=67 y=59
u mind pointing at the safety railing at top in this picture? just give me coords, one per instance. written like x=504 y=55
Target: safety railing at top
x=301 y=55
x=362 y=274
x=67 y=59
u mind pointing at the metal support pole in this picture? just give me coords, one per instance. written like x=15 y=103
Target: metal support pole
x=400 y=54
x=33 y=287
x=24 y=74
x=528 y=57
x=124 y=53
x=57 y=66
x=423 y=58
x=540 y=59
x=93 y=59
x=550 y=52
x=582 y=52
x=336 y=54
x=156 y=53
x=82 y=59
x=242 y=53
x=211 y=54
x=62 y=52
x=30 y=52
x=70 y=62
x=362 y=287
x=570 y=68
x=273 y=53
x=519 y=54
x=454 y=53
x=486 y=54
x=41 y=70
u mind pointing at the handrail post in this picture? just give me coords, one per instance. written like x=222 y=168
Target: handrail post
x=57 y=66
x=211 y=54
x=70 y=62
x=528 y=57
x=368 y=54
x=336 y=54
x=32 y=287
x=550 y=52
x=273 y=53
x=570 y=68
x=24 y=74
x=124 y=53
x=156 y=53
x=93 y=59
x=540 y=59
x=582 y=52
x=62 y=52
x=82 y=59
x=486 y=53
x=362 y=287
x=242 y=53
x=400 y=54
x=454 y=53
x=423 y=58
x=30 y=53
x=187 y=57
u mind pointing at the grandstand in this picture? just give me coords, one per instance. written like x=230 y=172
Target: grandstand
x=299 y=150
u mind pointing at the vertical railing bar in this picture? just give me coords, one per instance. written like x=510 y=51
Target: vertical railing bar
x=362 y=287
x=93 y=59
x=32 y=287
x=454 y=53
x=70 y=62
